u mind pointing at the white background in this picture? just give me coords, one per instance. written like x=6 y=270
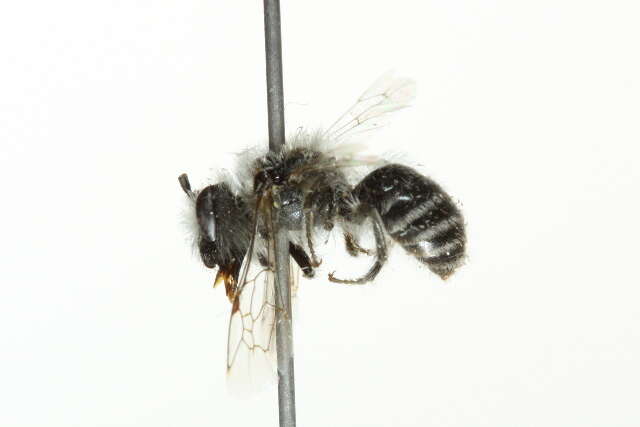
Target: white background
x=527 y=112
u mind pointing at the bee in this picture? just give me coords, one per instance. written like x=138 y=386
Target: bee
x=305 y=188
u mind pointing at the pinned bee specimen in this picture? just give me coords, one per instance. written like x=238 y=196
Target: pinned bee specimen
x=306 y=188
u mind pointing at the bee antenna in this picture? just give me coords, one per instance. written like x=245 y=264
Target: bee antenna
x=186 y=186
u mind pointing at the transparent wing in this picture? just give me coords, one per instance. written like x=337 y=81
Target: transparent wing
x=371 y=110
x=251 y=346
x=251 y=352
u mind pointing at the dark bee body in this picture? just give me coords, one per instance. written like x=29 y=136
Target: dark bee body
x=309 y=191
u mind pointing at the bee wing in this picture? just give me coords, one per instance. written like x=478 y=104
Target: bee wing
x=251 y=350
x=251 y=345
x=371 y=111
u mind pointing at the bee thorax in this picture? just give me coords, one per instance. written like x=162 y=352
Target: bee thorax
x=288 y=201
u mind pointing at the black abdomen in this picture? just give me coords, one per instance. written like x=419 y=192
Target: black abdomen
x=418 y=214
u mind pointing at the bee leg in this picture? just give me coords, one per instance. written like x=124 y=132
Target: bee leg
x=381 y=253
x=302 y=259
x=315 y=262
x=353 y=248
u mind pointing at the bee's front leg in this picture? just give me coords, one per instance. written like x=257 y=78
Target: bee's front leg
x=302 y=259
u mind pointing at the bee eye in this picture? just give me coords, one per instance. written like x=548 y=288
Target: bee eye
x=205 y=211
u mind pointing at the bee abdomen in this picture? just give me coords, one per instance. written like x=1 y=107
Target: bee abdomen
x=440 y=246
x=418 y=214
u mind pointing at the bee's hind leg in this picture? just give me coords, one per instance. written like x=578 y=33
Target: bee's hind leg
x=380 y=255
x=302 y=259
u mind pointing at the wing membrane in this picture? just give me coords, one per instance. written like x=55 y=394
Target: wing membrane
x=371 y=110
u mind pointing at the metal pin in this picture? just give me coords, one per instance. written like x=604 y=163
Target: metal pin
x=275 y=107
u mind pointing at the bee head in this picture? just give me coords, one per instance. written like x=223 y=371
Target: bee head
x=207 y=209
